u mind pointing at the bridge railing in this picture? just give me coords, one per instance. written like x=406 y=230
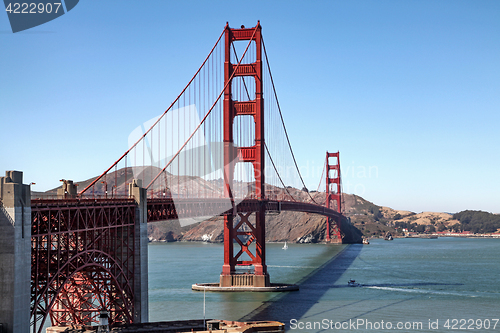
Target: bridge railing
x=168 y=209
x=54 y=200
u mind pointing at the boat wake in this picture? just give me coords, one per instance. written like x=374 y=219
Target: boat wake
x=424 y=291
x=279 y=266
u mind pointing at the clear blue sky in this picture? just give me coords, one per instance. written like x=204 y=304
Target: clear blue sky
x=408 y=91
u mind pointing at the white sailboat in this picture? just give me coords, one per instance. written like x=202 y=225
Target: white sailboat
x=285 y=246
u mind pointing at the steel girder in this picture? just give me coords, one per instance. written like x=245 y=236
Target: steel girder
x=82 y=260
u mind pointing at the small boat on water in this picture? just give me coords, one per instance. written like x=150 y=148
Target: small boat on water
x=353 y=283
x=366 y=241
x=285 y=246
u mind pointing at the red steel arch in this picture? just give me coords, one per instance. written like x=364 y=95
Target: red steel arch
x=82 y=295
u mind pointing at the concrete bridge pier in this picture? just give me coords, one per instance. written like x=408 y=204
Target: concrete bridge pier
x=68 y=190
x=141 y=310
x=15 y=253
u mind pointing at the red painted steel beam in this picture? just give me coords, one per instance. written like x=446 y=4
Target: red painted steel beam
x=82 y=252
x=244 y=108
x=336 y=196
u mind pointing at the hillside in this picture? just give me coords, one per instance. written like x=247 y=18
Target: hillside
x=298 y=227
x=287 y=226
x=478 y=221
x=375 y=221
x=116 y=182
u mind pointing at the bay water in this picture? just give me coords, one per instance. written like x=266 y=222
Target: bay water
x=406 y=285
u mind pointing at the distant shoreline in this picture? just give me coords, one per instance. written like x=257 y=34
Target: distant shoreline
x=470 y=236
x=451 y=234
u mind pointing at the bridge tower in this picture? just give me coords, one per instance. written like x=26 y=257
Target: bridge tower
x=334 y=195
x=255 y=155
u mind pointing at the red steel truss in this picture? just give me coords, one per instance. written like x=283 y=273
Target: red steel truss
x=82 y=257
x=333 y=196
x=252 y=232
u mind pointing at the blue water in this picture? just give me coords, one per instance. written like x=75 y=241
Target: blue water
x=418 y=285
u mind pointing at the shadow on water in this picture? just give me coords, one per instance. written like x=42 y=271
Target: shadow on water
x=295 y=305
x=392 y=285
x=286 y=306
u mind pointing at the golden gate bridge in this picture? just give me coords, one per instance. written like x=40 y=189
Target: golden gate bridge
x=220 y=149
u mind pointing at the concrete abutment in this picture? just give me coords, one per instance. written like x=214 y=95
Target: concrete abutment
x=141 y=310
x=15 y=253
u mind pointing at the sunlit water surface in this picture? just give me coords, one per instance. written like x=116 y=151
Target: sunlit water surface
x=418 y=285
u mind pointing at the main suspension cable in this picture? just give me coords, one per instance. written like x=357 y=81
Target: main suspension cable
x=322 y=174
x=283 y=122
x=277 y=173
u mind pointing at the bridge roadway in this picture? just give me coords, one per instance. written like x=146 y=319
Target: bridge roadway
x=160 y=209
x=168 y=209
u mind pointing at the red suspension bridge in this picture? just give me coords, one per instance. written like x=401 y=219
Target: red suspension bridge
x=220 y=149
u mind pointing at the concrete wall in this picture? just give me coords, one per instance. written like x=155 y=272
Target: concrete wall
x=141 y=309
x=68 y=190
x=15 y=253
